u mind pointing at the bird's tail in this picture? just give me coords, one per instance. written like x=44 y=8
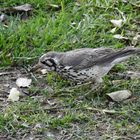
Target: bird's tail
x=120 y=55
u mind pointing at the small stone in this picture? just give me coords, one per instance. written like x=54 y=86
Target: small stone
x=119 y=95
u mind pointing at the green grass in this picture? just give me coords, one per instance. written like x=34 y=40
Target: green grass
x=72 y=26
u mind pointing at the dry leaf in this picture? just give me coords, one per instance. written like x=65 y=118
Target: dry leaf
x=133 y=75
x=118 y=36
x=53 y=7
x=119 y=95
x=26 y=125
x=25 y=8
x=14 y=95
x=125 y=1
x=116 y=81
x=113 y=30
x=136 y=39
x=2 y=17
x=117 y=23
x=23 y=82
x=17 y=9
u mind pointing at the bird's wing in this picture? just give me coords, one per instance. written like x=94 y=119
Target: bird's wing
x=84 y=58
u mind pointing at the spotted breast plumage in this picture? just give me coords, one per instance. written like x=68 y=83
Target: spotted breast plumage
x=85 y=64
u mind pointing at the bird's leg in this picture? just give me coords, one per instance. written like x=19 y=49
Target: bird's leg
x=95 y=87
x=72 y=88
x=81 y=85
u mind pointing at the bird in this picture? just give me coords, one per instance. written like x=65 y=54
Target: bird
x=85 y=64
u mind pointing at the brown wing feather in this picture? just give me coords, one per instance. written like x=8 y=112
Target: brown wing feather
x=123 y=53
x=84 y=58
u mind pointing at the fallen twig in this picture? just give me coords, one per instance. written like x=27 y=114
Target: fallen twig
x=46 y=109
x=103 y=110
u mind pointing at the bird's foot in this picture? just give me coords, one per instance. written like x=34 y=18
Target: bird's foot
x=80 y=85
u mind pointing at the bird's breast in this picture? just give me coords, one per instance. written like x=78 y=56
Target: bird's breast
x=85 y=75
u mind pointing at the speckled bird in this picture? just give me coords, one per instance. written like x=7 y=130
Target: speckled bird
x=85 y=64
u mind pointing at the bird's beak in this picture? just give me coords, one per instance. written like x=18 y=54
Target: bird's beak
x=35 y=67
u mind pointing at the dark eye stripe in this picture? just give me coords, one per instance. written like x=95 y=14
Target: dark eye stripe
x=44 y=62
x=49 y=63
x=52 y=61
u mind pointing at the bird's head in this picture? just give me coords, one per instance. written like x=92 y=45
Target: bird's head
x=48 y=61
